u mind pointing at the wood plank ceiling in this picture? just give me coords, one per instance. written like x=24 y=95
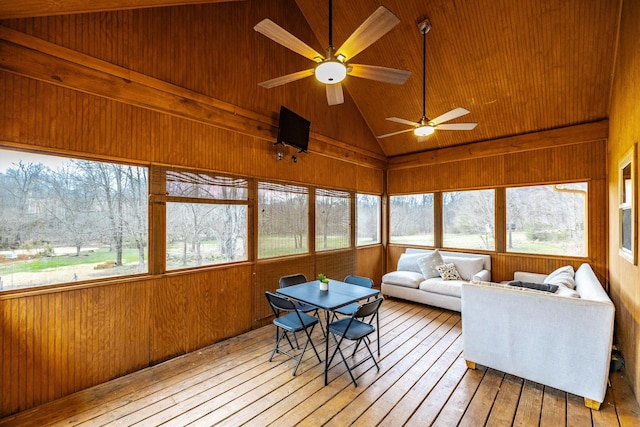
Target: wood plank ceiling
x=519 y=67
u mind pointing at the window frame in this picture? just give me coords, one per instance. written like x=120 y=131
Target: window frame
x=434 y=236
x=338 y=194
x=378 y=220
x=307 y=190
x=560 y=190
x=246 y=201
x=64 y=159
x=493 y=225
x=628 y=207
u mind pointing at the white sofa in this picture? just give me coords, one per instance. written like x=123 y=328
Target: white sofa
x=558 y=341
x=408 y=281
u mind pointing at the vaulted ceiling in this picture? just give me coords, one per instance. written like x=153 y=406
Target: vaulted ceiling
x=517 y=66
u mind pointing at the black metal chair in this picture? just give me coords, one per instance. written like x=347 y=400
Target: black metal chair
x=294 y=321
x=355 y=328
x=296 y=279
x=349 y=309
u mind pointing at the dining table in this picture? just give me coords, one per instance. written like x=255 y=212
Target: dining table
x=338 y=295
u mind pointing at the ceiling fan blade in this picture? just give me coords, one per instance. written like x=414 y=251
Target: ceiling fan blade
x=334 y=94
x=377 y=25
x=393 y=133
x=450 y=115
x=287 y=79
x=381 y=74
x=403 y=121
x=457 y=126
x=286 y=39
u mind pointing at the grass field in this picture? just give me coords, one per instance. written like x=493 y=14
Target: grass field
x=86 y=257
x=63 y=268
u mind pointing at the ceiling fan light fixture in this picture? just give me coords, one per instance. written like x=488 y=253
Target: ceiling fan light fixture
x=424 y=130
x=331 y=71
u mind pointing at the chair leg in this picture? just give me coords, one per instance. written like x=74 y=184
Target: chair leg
x=295 y=337
x=355 y=348
x=378 y=332
x=372 y=358
x=299 y=358
x=306 y=344
x=338 y=350
x=277 y=347
x=311 y=341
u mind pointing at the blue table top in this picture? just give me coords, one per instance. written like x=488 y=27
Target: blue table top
x=338 y=295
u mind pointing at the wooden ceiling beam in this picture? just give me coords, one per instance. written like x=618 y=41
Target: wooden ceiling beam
x=10 y=9
x=576 y=134
x=38 y=59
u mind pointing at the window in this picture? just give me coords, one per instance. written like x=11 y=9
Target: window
x=283 y=220
x=66 y=220
x=333 y=220
x=627 y=206
x=547 y=219
x=411 y=219
x=367 y=219
x=206 y=219
x=468 y=219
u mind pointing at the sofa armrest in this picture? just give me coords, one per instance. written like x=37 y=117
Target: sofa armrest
x=482 y=276
x=525 y=276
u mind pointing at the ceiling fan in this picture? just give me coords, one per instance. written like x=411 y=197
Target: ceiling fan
x=334 y=67
x=425 y=126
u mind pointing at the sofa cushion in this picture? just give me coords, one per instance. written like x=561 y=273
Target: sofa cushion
x=467 y=267
x=409 y=262
x=409 y=279
x=545 y=287
x=428 y=264
x=448 y=271
x=444 y=287
x=562 y=276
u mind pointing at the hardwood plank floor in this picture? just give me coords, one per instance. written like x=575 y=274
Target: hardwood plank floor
x=423 y=380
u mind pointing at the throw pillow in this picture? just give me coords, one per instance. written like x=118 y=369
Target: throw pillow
x=563 y=291
x=408 y=279
x=448 y=271
x=428 y=264
x=467 y=266
x=545 y=287
x=562 y=276
x=409 y=262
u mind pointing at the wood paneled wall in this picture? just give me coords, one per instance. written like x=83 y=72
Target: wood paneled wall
x=144 y=87
x=570 y=154
x=624 y=276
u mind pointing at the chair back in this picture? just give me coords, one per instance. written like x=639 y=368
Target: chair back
x=294 y=279
x=368 y=309
x=360 y=281
x=279 y=303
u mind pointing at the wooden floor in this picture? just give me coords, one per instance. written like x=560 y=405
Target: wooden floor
x=423 y=381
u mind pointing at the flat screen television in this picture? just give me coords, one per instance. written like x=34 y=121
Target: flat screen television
x=293 y=130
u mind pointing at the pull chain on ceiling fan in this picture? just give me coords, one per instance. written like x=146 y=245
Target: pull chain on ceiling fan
x=334 y=67
x=425 y=127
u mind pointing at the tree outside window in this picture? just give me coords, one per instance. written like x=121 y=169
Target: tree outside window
x=468 y=219
x=66 y=220
x=367 y=219
x=547 y=219
x=333 y=220
x=206 y=219
x=283 y=220
x=412 y=219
